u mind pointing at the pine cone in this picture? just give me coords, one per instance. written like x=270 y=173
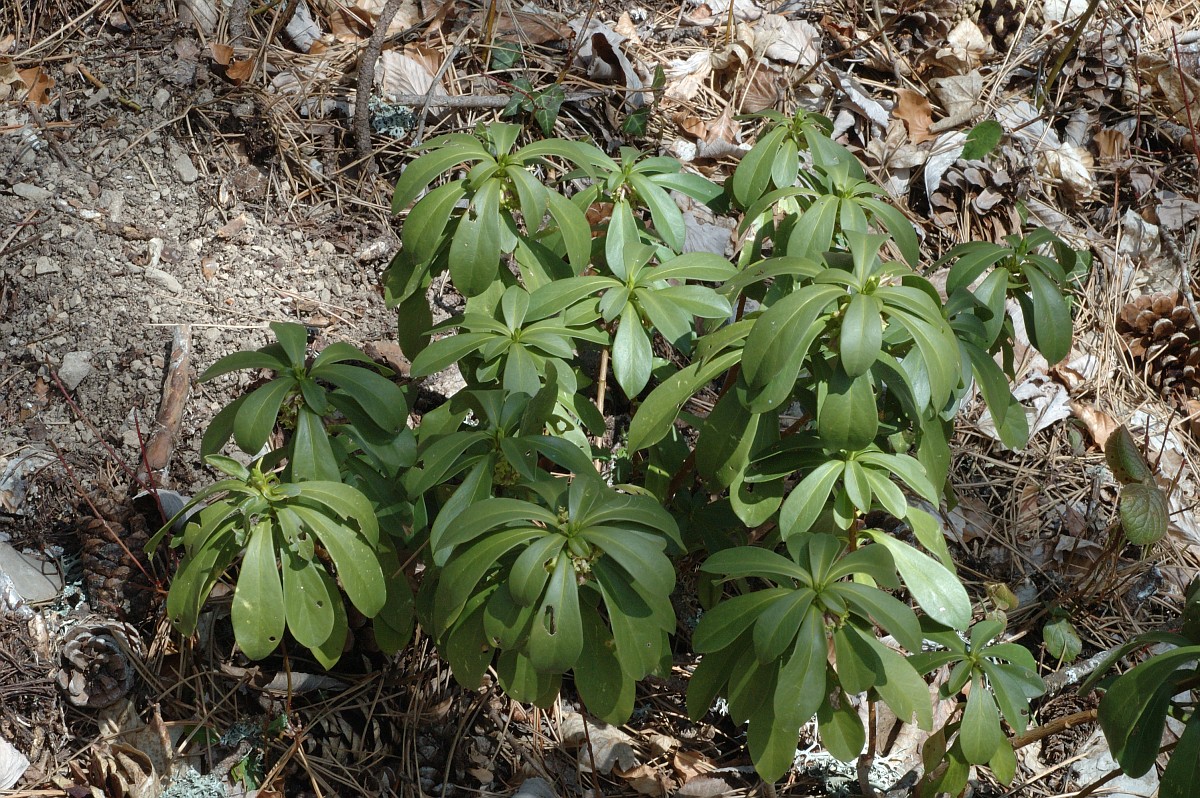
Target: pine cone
x=115 y=584
x=96 y=662
x=1164 y=342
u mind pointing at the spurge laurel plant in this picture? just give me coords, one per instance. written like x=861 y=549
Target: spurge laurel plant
x=838 y=370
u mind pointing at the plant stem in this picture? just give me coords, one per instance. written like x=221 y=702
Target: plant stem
x=1067 y=49
x=1054 y=727
x=602 y=380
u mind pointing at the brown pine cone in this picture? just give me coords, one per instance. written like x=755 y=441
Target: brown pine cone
x=115 y=584
x=96 y=667
x=1164 y=342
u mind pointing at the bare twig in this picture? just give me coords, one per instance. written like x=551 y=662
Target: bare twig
x=366 y=79
x=1054 y=727
x=170 y=412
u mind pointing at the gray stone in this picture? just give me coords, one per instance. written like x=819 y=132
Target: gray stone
x=186 y=169
x=31 y=192
x=44 y=265
x=76 y=366
x=164 y=280
x=35 y=579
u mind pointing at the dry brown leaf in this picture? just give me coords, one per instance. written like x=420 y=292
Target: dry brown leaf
x=764 y=89
x=645 y=780
x=626 y=28
x=233 y=227
x=239 y=71
x=406 y=72
x=38 y=85
x=692 y=125
x=1113 y=145
x=10 y=80
x=705 y=787
x=685 y=78
x=1099 y=423
x=406 y=16
x=611 y=747
x=221 y=53
x=916 y=112
x=689 y=765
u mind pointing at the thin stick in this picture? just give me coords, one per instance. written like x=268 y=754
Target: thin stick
x=170 y=412
x=366 y=79
x=1055 y=726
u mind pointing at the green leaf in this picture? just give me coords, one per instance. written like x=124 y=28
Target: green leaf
x=238 y=361
x=743 y=561
x=528 y=575
x=781 y=336
x=220 y=429
x=443 y=352
x=802 y=506
x=901 y=687
x=856 y=662
x=475 y=249
x=308 y=604
x=258 y=608
x=556 y=637
x=841 y=729
x=424 y=230
x=725 y=623
x=293 y=338
x=1123 y=456
x=668 y=220
x=605 y=690
x=631 y=354
x=1049 y=324
x=414 y=318
x=256 y=416
x=357 y=564
x=980 y=733
x=802 y=678
x=847 y=417
x=1183 y=771
x=1133 y=711
x=890 y=613
x=377 y=395
x=330 y=651
x=861 y=335
x=639 y=554
x=1144 y=513
x=776 y=626
x=725 y=440
x=346 y=502
x=657 y=413
x=621 y=237
x=753 y=173
x=574 y=228
x=311 y=454
x=425 y=169
x=935 y=588
x=982 y=140
x=1062 y=641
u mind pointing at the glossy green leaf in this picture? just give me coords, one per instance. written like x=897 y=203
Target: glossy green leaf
x=841 y=729
x=776 y=626
x=255 y=420
x=862 y=334
x=668 y=220
x=847 y=416
x=606 y=691
x=258 y=608
x=1182 y=773
x=936 y=589
x=726 y=438
x=424 y=230
x=753 y=173
x=1133 y=711
x=556 y=637
x=377 y=395
x=1049 y=325
x=802 y=506
x=475 y=249
x=657 y=413
x=307 y=603
x=980 y=733
x=357 y=566
x=1124 y=458
x=311 y=454
x=239 y=361
x=982 y=140
x=631 y=354
x=744 y=561
x=425 y=169
x=1062 y=641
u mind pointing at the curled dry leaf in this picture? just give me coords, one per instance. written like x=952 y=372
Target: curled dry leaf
x=793 y=41
x=686 y=77
x=37 y=84
x=1100 y=425
x=406 y=71
x=611 y=747
x=645 y=780
x=916 y=112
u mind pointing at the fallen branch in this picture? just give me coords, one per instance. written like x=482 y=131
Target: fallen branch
x=157 y=454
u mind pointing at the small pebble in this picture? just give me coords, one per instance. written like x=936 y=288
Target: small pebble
x=76 y=366
x=43 y=265
x=31 y=192
x=186 y=169
x=164 y=280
